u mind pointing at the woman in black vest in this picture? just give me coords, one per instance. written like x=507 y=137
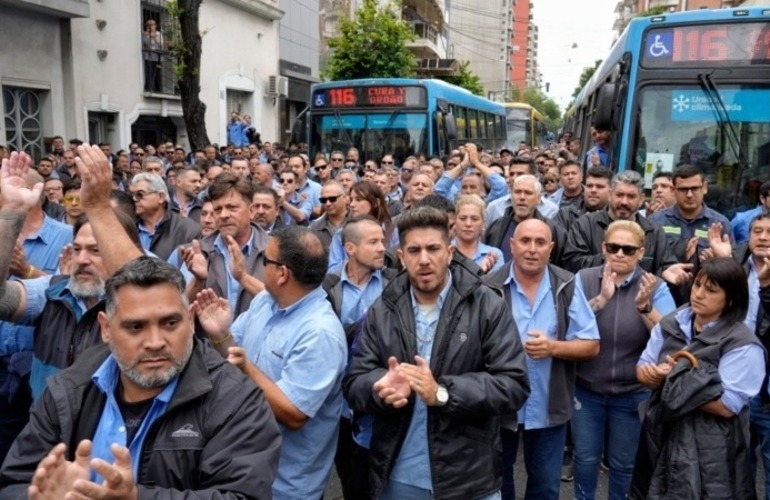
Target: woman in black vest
x=627 y=302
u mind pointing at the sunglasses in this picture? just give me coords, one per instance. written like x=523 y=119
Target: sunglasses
x=551 y=181
x=407 y=170
x=338 y=159
x=628 y=250
x=330 y=199
x=140 y=195
x=286 y=181
x=321 y=167
x=386 y=162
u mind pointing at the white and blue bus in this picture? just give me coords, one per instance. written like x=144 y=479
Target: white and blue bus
x=402 y=117
x=690 y=87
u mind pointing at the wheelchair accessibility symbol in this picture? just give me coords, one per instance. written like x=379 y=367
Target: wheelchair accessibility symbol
x=320 y=100
x=658 y=47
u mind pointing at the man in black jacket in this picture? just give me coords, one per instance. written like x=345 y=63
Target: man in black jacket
x=438 y=361
x=175 y=417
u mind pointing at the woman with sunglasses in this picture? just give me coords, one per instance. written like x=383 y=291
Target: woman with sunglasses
x=704 y=452
x=366 y=198
x=627 y=302
x=470 y=214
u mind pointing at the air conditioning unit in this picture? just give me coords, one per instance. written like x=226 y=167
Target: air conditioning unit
x=277 y=86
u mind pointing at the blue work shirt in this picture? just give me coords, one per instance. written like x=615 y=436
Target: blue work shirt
x=235 y=133
x=301 y=203
x=449 y=188
x=413 y=464
x=233 y=287
x=313 y=191
x=604 y=156
x=44 y=247
x=541 y=316
x=111 y=427
x=738 y=368
x=356 y=300
x=145 y=236
x=482 y=250
x=742 y=221
x=337 y=255
x=302 y=348
x=754 y=302
x=680 y=230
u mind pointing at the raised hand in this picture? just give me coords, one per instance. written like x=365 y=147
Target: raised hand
x=692 y=247
x=420 y=379
x=488 y=263
x=719 y=243
x=646 y=287
x=608 y=283
x=118 y=478
x=678 y=274
x=193 y=258
x=95 y=174
x=17 y=196
x=393 y=388
x=55 y=476
x=763 y=271
x=237 y=262
x=213 y=312
x=66 y=257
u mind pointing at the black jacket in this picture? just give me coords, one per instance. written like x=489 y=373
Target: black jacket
x=173 y=230
x=495 y=234
x=230 y=450
x=477 y=356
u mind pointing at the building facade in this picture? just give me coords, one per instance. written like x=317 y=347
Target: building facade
x=87 y=70
x=625 y=10
x=524 y=70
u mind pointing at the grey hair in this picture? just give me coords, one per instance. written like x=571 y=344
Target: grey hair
x=348 y=171
x=152 y=159
x=630 y=177
x=529 y=178
x=144 y=272
x=154 y=181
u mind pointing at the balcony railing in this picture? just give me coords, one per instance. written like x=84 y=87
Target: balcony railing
x=159 y=73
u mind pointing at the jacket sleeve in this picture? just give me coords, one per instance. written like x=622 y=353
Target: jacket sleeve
x=578 y=252
x=366 y=368
x=40 y=435
x=503 y=386
x=240 y=458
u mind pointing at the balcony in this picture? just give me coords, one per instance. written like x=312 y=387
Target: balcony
x=430 y=44
x=158 y=56
x=160 y=78
x=66 y=9
x=668 y=4
x=431 y=11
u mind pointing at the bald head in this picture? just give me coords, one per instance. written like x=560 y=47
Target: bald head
x=531 y=247
x=532 y=226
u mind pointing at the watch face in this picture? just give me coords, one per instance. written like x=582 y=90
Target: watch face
x=442 y=395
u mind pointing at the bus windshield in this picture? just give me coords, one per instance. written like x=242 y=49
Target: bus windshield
x=679 y=124
x=374 y=134
x=518 y=122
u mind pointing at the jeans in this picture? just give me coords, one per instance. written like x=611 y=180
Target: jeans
x=399 y=491
x=543 y=454
x=596 y=416
x=760 y=440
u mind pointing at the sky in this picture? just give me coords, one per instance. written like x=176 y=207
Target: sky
x=562 y=23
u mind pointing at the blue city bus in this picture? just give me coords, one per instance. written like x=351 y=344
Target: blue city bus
x=402 y=117
x=690 y=87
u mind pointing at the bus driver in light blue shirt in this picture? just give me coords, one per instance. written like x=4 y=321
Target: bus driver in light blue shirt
x=293 y=347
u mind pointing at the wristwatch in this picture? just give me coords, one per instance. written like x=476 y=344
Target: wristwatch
x=646 y=309
x=442 y=396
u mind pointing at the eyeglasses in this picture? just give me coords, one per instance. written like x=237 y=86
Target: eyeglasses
x=140 y=195
x=551 y=181
x=688 y=190
x=70 y=199
x=452 y=164
x=330 y=199
x=407 y=170
x=53 y=188
x=628 y=250
x=338 y=159
x=286 y=181
x=387 y=162
x=321 y=167
x=267 y=260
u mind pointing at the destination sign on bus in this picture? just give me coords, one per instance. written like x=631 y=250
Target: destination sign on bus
x=374 y=96
x=732 y=44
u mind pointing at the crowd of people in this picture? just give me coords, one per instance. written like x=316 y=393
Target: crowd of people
x=236 y=322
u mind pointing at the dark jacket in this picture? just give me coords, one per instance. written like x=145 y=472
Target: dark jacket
x=477 y=356
x=686 y=453
x=231 y=448
x=569 y=214
x=172 y=231
x=561 y=386
x=584 y=244
x=324 y=230
x=217 y=278
x=495 y=234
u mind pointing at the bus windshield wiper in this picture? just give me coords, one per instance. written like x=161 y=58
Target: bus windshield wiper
x=710 y=87
x=341 y=124
x=389 y=131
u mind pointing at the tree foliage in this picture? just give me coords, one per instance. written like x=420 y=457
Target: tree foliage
x=586 y=75
x=187 y=47
x=654 y=11
x=371 y=45
x=466 y=79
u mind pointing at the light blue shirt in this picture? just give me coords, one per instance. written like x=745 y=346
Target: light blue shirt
x=753 y=311
x=413 y=464
x=43 y=248
x=541 y=316
x=337 y=255
x=738 y=368
x=356 y=300
x=482 y=250
x=742 y=221
x=449 y=188
x=306 y=205
x=145 y=236
x=112 y=428
x=233 y=287
x=302 y=348
x=496 y=209
x=313 y=191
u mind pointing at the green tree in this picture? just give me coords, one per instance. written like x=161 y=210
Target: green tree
x=186 y=43
x=466 y=79
x=655 y=11
x=371 y=45
x=586 y=75
x=547 y=106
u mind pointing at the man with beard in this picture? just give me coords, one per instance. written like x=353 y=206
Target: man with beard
x=159 y=415
x=265 y=203
x=63 y=308
x=184 y=199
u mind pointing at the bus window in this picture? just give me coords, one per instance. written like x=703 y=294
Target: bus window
x=482 y=125
x=473 y=122
x=461 y=123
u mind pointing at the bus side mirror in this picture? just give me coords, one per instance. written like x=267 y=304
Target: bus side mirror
x=604 y=109
x=451 y=127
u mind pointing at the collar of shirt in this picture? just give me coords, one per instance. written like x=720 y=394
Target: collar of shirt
x=286 y=311
x=219 y=244
x=678 y=215
x=374 y=275
x=44 y=233
x=685 y=318
x=142 y=227
x=631 y=276
x=106 y=379
x=543 y=288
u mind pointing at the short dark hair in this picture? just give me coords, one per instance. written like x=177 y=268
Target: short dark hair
x=762 y=216
x=72 y=185
x=423 y=218
x=520 y=160
x=124 y=201
x=764 y=189
x=260 y=189
x=662 y=173
x=350 y=231
x=127 y=222
x=685 y=171
x=144 y=272
x=303 y=253
x=227 y=182
x=600 y=172
x=437 y=202
x=569 y=163
x=730 y=277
